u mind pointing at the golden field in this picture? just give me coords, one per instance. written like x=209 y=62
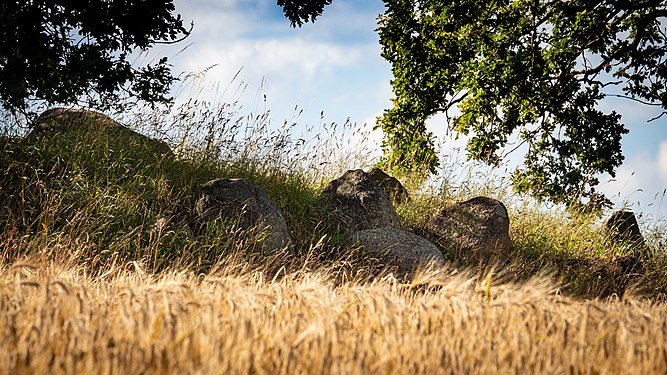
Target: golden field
x=87 y=287
x=57 y=318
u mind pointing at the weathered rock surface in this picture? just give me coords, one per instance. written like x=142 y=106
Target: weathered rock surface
x=402 y=250
x=477 y=228
x=392 y=186
x=622 y=227
x=628 y=266
x=249 y=205
x=355 y=202
x=94 y=128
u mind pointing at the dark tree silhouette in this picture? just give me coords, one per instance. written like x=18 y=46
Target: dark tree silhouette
x=300 y=11
x=58 y=51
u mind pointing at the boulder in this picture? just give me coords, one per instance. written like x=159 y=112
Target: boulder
x=61 y=119
x=401 y=250
x=355 y=202
x=390 y=185
x=91 y=127
x=628 y=266
x=613 y=275
x=477 y=228
x=248 y=205
x=622 y=227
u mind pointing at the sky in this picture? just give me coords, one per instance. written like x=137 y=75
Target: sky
x=332 y=71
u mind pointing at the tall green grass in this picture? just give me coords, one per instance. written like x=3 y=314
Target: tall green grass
x=113 y=195
x=100 y=273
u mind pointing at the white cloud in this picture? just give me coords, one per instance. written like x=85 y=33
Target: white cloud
x=287 y=59
x=332 y=65
x=639 y=183
x=372 y=138
x=635 y=176
x=288 y=73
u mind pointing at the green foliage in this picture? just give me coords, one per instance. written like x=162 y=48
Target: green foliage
x=300 y=11
x=536 y=69
x=107 y=186
x=103 y=180
x=99 y=192
x=59 y=51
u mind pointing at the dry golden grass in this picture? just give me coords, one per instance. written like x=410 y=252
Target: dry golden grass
x=55 y=317
x=104 y=309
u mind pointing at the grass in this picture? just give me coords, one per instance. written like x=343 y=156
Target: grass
x=59 y=318
x=89 y=283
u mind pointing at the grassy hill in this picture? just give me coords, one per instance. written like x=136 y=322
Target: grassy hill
x=89 y=283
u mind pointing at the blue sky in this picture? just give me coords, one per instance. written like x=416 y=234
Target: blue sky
x=335 y=66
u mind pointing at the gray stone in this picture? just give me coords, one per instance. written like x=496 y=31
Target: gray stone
x=402 y=250
x=355 y=202
x=93 y=128
x=622 y=227
x=57 y=119
x=249 y=205
x=392 y=186
x=477 y=228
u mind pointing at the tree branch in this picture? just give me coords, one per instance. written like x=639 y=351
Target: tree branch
x=636 y=100
x=657 y=117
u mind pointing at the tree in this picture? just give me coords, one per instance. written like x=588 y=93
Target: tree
x=536 y=68
x=57 y=51
x=300 y=11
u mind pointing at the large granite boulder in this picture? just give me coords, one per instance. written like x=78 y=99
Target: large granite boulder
x=392 y=186
x=622 y=228
x=95 y=129
x=476 y=229
x=355 y=202
x=403 y=251
x=243 y=203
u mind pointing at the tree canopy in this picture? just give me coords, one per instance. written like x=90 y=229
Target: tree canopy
x=301 y=11
x=57 y=51
x=536 y=69
x=533 y=69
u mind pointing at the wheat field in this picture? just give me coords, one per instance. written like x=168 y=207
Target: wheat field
x=88 y=287
x=59 y=318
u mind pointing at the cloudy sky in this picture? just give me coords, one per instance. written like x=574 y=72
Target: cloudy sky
x=334 y=66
